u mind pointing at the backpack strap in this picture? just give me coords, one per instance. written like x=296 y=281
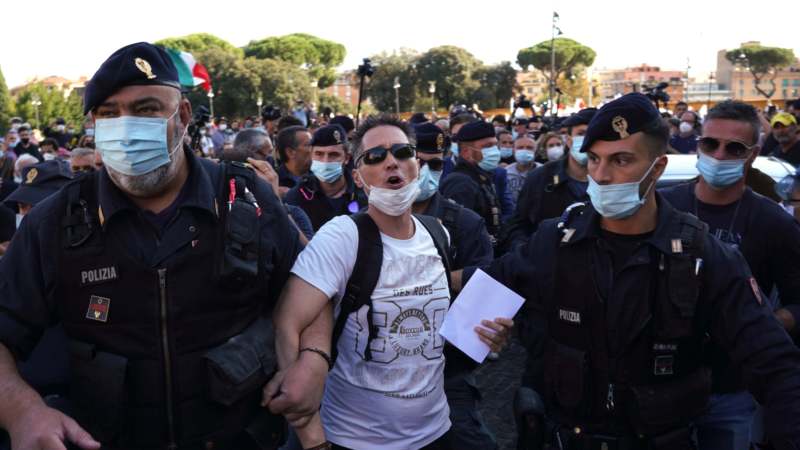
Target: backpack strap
x=449 y=214
x=436 y=230
x=362 y=280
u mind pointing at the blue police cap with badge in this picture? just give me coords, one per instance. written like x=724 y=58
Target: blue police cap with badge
x=329 y=135
x=40 y=181
x=621 y=118
x=474 y=131
x=430 y=138
x=345 y=122
x=136 y=64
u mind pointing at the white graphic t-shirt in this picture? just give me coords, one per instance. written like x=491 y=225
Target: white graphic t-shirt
x=396 y=400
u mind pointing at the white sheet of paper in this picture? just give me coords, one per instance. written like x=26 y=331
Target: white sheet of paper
x=482 y=298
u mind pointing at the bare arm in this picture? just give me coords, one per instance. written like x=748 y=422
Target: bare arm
x=297 y=314
x=30 y=423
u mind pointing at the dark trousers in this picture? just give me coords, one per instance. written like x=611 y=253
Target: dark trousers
x=439 y=444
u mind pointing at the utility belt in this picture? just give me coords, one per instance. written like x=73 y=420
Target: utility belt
x=101 y=384
x=576 y=439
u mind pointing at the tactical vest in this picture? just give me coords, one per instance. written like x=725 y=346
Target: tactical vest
x=657 y=383
x=166 y=356
x=316 y=205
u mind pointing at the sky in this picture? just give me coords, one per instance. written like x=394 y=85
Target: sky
x=72 y=38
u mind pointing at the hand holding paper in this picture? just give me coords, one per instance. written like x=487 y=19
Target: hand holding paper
x=482 y=298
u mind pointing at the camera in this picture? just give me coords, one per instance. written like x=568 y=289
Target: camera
x=656 y=93
x=522 y=102
x=199 y=121
x=366 y=69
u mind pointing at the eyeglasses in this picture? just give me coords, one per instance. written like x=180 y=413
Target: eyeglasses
x=376 y=155
x=436 y=164
x=734 y=148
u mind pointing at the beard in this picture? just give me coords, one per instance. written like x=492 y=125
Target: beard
x=155 y=182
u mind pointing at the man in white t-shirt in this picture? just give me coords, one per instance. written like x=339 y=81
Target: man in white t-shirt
x=390 y=397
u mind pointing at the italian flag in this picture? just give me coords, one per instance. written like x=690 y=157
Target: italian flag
x=190 y=72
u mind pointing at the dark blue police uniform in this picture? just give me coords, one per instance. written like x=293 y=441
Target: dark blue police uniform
x=165 y=313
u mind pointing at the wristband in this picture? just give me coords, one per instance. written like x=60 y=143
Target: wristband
x=321 y=353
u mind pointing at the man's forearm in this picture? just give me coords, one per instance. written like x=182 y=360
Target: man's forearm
x=318 y=334
x=15 y=394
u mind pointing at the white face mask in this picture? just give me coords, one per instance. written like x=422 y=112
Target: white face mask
x=49 y=156
x=554 y=153
x=393 y=202
x=685 y=128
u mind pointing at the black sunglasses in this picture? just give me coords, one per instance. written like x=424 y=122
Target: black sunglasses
x=436 y=164
x=376 y=155
x=734 y=148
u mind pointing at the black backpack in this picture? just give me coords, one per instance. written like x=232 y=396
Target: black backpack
x=367 y=270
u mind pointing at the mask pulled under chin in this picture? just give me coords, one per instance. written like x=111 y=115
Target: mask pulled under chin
x=393 y=202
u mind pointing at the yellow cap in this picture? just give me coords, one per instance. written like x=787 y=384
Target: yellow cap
x=784 y=119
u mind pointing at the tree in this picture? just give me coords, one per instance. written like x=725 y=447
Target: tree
x=763 y=63
x=388 y=68
x=319 y=56
x=281 y=83
x=235 y=83
x=570 y=57
x=198 y=43
x=54 y=104
x=5 y=104
x=451 y=69
x=336 y=104
x=496 y=83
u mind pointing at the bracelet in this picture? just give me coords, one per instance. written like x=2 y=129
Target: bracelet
x=321 y=353
x=324 y=446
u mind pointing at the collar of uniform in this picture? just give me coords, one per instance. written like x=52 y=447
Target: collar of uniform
x=313 y=184
x=668 y=226
x=112 y=200
x=433 y=205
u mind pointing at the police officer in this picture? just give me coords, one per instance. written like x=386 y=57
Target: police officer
x=768 y=238
x=470 y=184
x=328 y=191
x=161 y=267
x=550 y=189
x=626 y=291
x=471 y=246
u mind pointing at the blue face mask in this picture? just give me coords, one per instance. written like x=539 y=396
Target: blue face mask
x=575 y=151
x=327 y=172
x=720 y=174
x=524 y=156
x=428 y=183
x=134 y=145
x=514 y=134
x=454 y=148
x=491 y=158
x=506 y=153
x=618 y=201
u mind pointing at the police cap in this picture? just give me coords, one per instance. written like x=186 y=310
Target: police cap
x=621 y=118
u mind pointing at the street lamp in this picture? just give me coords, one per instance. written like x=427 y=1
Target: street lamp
x=211 y=102
x=432 y=90
x=36 y=104
x=259 y=102
x=397 y=95
x=555 y=29
x=710 y=79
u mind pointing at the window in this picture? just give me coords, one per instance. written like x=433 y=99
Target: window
x=741 y=93
x=785 y=82
x=796 y=82
x=741 y=82
x=794 y=92
x=784 y=93
x=530 y=90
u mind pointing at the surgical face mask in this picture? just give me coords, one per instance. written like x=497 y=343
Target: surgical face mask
x=685 y=128
x=454 y=148
x=514 y=134
x=720 y=174
x=491 y=158
x=618 y=201
x=134 y=145
x=393 y=202
x=49 y=156
x=428 y=183
x=60 y=128
x=554 y=153
x=506 y=153
x=15 y=127
x=90 y=131
x=223 y=127
x=575 y=151
x=327 y=172
x=524 y=156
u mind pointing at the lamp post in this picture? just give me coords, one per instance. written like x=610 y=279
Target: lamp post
x=36 y=104
x=555 y=31
x=710 y=79
x=397 y=95
x=432 y=90
x=211 y=102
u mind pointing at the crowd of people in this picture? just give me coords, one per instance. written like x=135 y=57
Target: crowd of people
x=169 y=282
